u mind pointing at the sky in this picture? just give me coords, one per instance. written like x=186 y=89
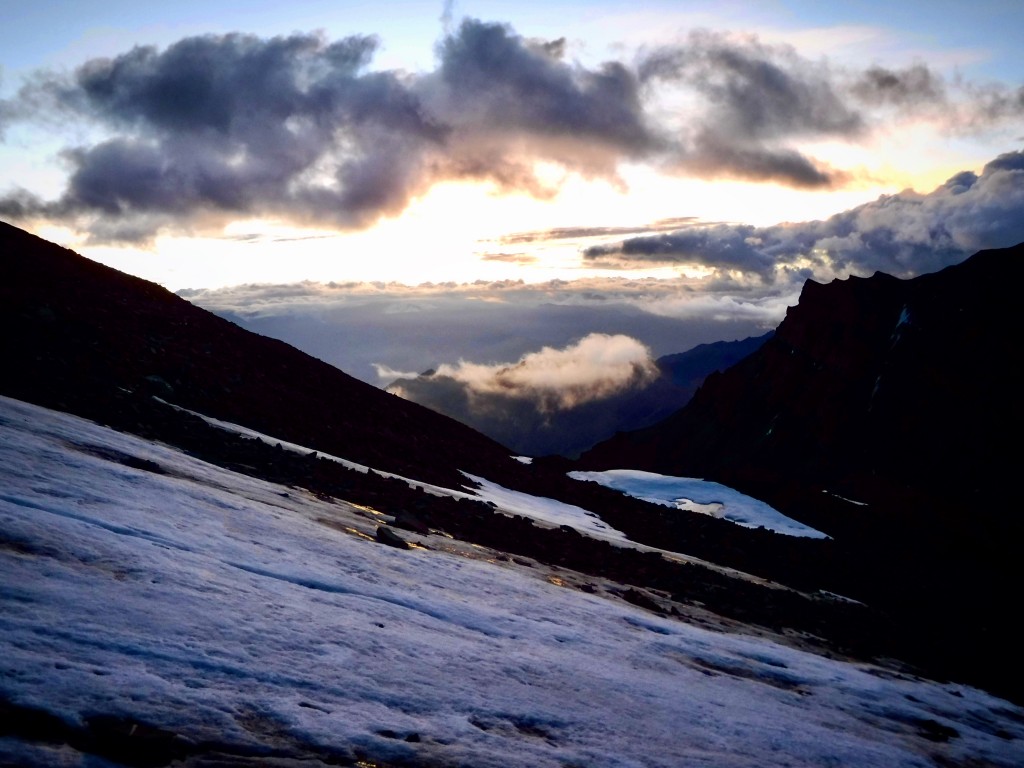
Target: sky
x=323 y=643
x=214 y=144
x=693 y=159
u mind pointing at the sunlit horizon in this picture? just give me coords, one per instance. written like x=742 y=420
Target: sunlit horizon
x=490 y=143
x=457 y=233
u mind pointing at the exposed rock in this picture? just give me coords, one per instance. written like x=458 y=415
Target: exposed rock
x=387 y=536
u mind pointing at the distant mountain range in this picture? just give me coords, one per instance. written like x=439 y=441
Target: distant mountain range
x=527 y=429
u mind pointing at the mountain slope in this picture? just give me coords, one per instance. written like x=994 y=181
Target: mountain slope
x=222 y=620
x=870 y=386
x=91 y=340
x=99 y=343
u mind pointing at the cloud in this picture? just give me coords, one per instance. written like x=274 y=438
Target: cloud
x=496 y=306
x=494 y=82
x=904 y=234
x=510 y=258
x=961 y=106
x=216 y=128
x=595 y=367
x=912 y=86
x=757 y=99
x=388 y=374
x=359 y=326
x=577 y=233
x=722 y=246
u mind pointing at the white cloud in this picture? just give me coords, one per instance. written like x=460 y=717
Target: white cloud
x=597 y=366
x=387 y=373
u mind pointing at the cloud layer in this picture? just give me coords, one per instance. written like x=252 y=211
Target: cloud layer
x=381 y=332
x=904 y=234
x=595 y=367
x=302 y=129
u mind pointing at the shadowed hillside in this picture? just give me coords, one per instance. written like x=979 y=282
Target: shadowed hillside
x=88 y=339
x=884 y=412
x=874 y=387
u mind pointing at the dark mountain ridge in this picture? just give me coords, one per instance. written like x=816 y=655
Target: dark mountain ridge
x=871 y=387
x=91 y=340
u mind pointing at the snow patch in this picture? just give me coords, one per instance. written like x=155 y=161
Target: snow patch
x=544 y=510
x=695 y=495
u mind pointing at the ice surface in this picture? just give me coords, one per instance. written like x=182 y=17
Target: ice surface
x=556 y=513
x=234 y=611
x=700 y=496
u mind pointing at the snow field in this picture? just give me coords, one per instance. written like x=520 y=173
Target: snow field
x=220 y=607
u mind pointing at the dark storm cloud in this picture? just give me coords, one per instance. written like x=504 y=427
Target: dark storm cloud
x=758 y=97
x=756 y=91
x=996 y=103
x=235 y=125
x=498 y=82
x=221 y=127
x=298 y=128
x=904 y=234
x=722 y=156
x=721 y=246
x=756 y=100
x=918 y=89
x=911 y=86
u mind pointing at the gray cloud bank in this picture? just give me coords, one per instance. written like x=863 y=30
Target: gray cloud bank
x=301 y=129
x=904 y=234
x=381 y=332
